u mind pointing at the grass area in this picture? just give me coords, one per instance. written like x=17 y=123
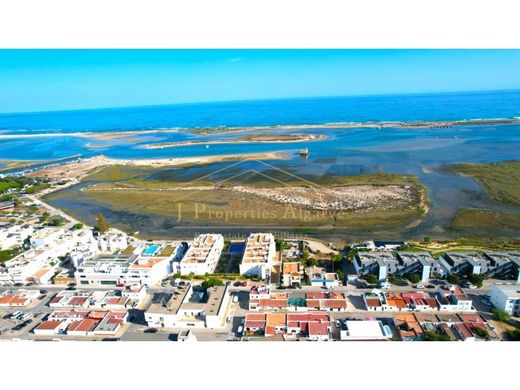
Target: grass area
x=226 y=207
x=438 y=248
x=125 y=188
x=500 y=180
x=118 y=172
x=167 y=251
x=486 y=219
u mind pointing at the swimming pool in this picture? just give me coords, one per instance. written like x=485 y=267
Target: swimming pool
x=236 y=248
x=150 y=251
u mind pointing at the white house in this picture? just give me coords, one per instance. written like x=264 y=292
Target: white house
x=259 y=255
x=506 y=297
x=364 y=331
x=203 y=254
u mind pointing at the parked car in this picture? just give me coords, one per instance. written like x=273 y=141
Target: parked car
x=25 y=316
x=16 y=314
x=151 y=330
x=229 y=319
x=419 y=286
x=235 y=298
x=471 y=286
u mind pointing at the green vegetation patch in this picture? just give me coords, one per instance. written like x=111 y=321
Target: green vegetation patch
x=486 y=219
x=500 y=180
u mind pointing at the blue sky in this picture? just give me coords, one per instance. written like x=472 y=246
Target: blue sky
x=46 y=80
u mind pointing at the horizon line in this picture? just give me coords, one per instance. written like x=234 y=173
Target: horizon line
x=253 y=100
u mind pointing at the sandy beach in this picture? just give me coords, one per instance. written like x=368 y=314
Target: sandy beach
x=256 y=138
x=123 y=135
x=82 y=168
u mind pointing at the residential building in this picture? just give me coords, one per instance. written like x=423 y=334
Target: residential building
x=202 y=255
x=420 y=263
x=381 y=264
x=313 y=326
x=153 y=264
x=18 y=298
x=369 y=330
x=452 y=298
x=292 y=273
x=504 y=265
x=506 y=297
x=112 y=241
x=259 y=256
x=318 y=277
x=465 y=263
x=105 y=270
x=189 y=307
x=13 y=236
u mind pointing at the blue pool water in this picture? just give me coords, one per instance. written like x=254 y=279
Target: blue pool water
x=150 y=251
x=236 y=248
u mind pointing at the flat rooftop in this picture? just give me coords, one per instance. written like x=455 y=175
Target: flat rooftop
x=201 y=248
x=103 y=263
x=257 y=248
x=168 y=303
x=511 y=291
x=364 y=329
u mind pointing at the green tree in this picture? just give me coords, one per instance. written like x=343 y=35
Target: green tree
x=481 y=333
x=453 y=279
x=56 y=220
x=102 y=225
x=371 y=279
x=514 y=335
x=311 y=262
x=413 y=278
x=393 y=279
x=77 y=226
x=427 y=239
x=211 y=282
x=476 y=279
x=44 y=217
x=432 y=336
x=500 y=315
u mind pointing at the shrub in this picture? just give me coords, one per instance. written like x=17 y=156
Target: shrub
x=453 y=279
x=500 y=315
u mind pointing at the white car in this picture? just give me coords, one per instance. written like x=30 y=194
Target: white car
x=25 y=316
x=16 y=314
x=229 y=319
x=471 y=286
x=235 y=298
x=419 y=286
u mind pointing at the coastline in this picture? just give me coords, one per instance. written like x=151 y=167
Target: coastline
x=85 y=167
x=114 y=135
x=258 y=139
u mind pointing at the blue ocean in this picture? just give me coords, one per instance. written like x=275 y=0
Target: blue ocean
x=345 y=151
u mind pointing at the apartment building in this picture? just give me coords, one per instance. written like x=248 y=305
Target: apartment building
x=506 y=297
x=504 y=265
x=189 y=307
x=153 y=264
x=465 y=263
x=104 y=270
x=202 y=255
x=13 y=236
x=383 y=264
x=259 y=256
